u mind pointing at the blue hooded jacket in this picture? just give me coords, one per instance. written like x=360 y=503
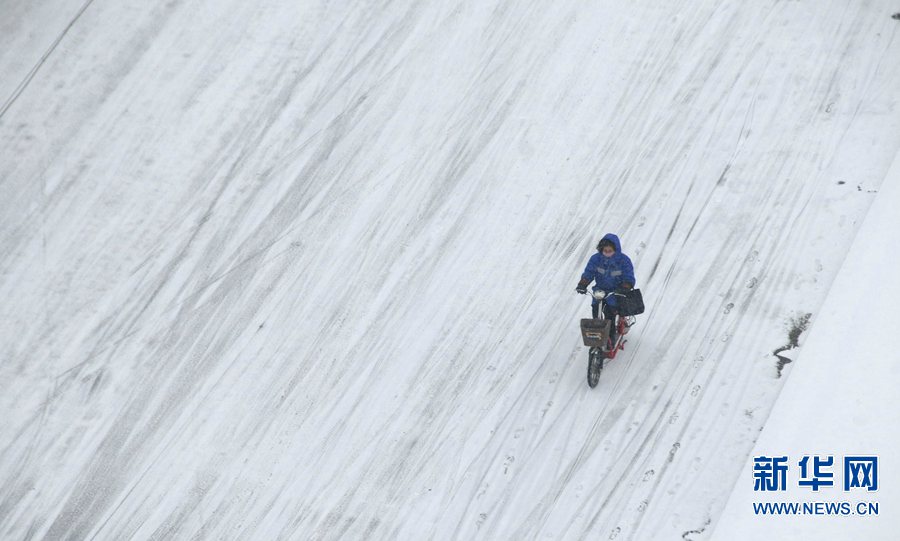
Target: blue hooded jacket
x=608 y=273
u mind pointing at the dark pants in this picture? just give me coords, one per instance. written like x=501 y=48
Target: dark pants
x=608 y=313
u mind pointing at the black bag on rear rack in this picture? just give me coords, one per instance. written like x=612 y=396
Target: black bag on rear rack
x=631 y=303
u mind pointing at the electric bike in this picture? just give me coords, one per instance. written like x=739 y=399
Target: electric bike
x=596 y=335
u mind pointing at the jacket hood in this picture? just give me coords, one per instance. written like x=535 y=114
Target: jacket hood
x=615 y=240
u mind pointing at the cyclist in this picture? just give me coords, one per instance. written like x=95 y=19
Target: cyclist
x=610 y=270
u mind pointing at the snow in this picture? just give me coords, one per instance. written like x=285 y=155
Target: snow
x=840 y=397
x=296 y=270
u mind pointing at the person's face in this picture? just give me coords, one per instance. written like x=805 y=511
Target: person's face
x=608 y=251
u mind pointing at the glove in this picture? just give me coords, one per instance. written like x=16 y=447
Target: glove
x=582 y=286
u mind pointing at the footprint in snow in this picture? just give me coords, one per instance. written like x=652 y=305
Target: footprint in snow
x=675 y=447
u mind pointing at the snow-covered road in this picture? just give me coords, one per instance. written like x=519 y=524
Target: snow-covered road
x=297 y=270
x=839 y=402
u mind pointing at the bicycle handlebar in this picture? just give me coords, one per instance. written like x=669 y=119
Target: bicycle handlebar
x=606 y=296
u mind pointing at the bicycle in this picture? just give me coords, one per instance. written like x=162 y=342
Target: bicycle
x=595 y=333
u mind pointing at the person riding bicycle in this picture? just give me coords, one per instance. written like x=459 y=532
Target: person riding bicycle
x=610 y=270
